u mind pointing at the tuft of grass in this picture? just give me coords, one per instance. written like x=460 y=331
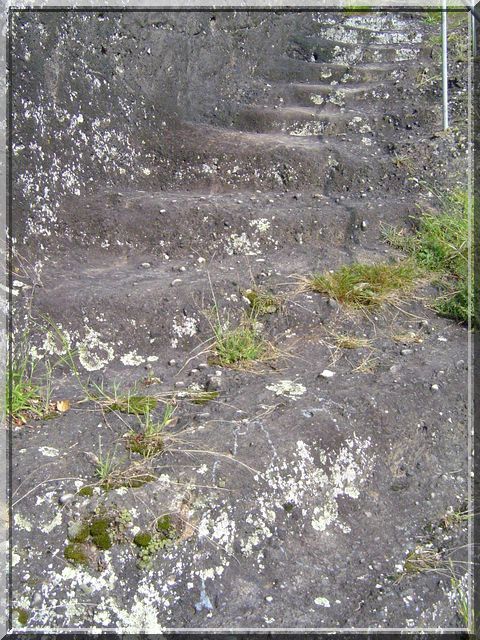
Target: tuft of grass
x=241 y=345
x=356 y=8
x=202 y=397
x=368 y=364
x=432 y=17
x=364 y=285
x=454 y=517
x=422 y=559
x=150 y=441
x=440 y=244
x=25 y=397
x=262 y=302
x=106 y=465
x=346 y=341
x=128 y=402
x=407 y=337
x=462 y=601
x=133 y=477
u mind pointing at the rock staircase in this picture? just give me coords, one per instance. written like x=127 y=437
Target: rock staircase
x=300 y=181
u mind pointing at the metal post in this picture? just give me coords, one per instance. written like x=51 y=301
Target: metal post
x=474 y=35
x=444 y=65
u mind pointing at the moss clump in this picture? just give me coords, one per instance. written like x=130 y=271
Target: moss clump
x=102 y=541
x=75 y=554
x=147 y=553
x=86 y=491
x=99 y=527
x=164 y=524
x=289 y=507
x=78 y=532
x=22 y=616
x=142 y=539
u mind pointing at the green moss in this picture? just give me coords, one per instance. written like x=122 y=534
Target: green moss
x=22 y=616
x=79 y=533
x=142 y=539
x=164 y=524
x=99 y=527
x=102 y=541
x=75 y=553
x=86 y=491
x=289 y=507
x=147 y=553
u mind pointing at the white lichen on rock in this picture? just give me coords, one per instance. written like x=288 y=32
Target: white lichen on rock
x=287 y=388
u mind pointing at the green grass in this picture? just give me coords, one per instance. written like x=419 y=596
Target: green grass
x=240 y=345
x=25 y=397
x=123 y=402
x=366 y=285
x=150 y=441
x=106 y=465
x=432 y=17
x=357 y=8
x=462 y=601
x=440 y=244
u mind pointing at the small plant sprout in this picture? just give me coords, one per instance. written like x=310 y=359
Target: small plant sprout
x=106 y=464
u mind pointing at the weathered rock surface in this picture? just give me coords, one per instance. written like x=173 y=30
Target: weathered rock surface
x=165 y=162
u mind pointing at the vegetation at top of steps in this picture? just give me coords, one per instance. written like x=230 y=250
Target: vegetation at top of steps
x=441 y=244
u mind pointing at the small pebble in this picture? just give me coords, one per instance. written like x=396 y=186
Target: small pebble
x=326 y=373
x=179 y=384
x=268 y=598
x=146 y=265
x=172 y=362
x=406 y=352
x=364 y=224
x=66 y=498
x=434 y=387
x=200 y=260
x=174 y=282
